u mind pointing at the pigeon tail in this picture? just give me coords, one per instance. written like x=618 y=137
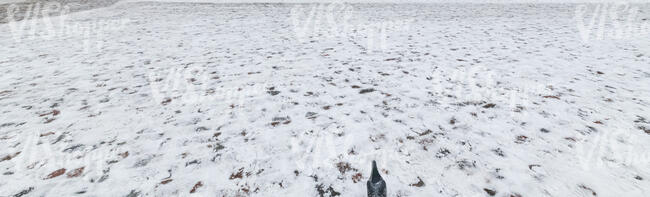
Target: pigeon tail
x=374 y=176
x=376 y=185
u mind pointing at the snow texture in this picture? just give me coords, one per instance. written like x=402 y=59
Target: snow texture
x=180 y=99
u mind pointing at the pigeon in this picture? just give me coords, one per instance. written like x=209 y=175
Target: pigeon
x=376 y=185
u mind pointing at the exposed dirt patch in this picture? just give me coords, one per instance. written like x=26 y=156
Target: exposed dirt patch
x=56 y=173
x=196 y=186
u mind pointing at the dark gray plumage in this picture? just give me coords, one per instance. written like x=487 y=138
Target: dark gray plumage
x=376 y=185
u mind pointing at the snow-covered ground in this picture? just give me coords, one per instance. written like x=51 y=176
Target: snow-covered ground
x=159 y=99
x=28 y=8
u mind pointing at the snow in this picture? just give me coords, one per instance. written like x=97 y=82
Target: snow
x=157 y=99
x=401 y=1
